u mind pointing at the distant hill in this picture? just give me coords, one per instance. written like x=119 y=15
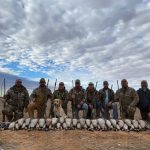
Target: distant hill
x=10 y=81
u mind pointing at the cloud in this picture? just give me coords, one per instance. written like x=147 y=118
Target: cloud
x=90 y=40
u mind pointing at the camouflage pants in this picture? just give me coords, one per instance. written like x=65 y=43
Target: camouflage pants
x=128 y=112
x=13 y=112
x=144 y=114
x=125 y=115
x=40 y=110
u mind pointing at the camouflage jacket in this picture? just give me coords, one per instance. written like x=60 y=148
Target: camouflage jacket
x=126 y=98
x=40 y=95
x=76 y=96
x=17 y=97
x=92 y=97
x=61 y=95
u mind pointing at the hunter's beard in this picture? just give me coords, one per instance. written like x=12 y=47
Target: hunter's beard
x=144 y=88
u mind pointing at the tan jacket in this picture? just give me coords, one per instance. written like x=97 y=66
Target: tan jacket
x=126 y=98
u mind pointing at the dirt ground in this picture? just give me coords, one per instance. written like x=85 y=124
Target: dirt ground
x=74 y=140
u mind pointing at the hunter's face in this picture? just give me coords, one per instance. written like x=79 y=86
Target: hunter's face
x=77 y=84
x=144 y=84
x=18 y=83
x=124 y=83
x=61 y=87
x=42 y=83
x=91 y=87
x=106 y=86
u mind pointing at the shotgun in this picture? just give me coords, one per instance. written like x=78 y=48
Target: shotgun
x=3 y=120
x=55 y=85
x=47 y=82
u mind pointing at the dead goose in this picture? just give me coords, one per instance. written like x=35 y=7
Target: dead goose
x=142 y=124
x=108 y=123
x=125 y=127
x=88 y=122
x=16 y=126
x=48 y=122
x=12 y=126
x=61 y=120
x=128 y=122
x=135 y=124
x=64 y=126
x=82 y=122
x=68 y=122
x=132 y=127
x=91 y=127
x=33 y=123
x=20 y=122
x=37 y=126
x=54 y=122
x=78 y=125
x=74 y=122
x=47 y=125
x=23 y=125
x=120 y=123
x=114 y=123
x=98 y=127
x=94 y=123
x=140 y=128
x=147 y=125
x=117 y=127
x=85 y=126
x=58 y=125
x=41 y=123
x=101 y=123
x=27 y=122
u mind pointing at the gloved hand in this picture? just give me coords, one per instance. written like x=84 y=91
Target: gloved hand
x=109 y=105
x=131 y=110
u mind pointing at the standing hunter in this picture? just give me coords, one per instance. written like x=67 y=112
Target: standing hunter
x=91 y=99
x=62 y=94
x=128 y=100
x=39 y=98
x=144 y=100
x=77 y=97
x=17 y=100
x=107 y=98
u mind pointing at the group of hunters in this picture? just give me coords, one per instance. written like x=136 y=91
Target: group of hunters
x=93 y=103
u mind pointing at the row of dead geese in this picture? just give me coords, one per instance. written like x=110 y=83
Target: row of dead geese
x=68 y=124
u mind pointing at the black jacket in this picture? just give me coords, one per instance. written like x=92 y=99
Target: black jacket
x=110 y=96
x=144 y=99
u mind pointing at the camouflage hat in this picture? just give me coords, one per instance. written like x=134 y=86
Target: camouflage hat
x=61 y=83
x=77 y=81
x=105 y=82
x=91 y=83
x=42 y=80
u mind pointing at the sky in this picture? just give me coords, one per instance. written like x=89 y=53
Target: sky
x=90 y=40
